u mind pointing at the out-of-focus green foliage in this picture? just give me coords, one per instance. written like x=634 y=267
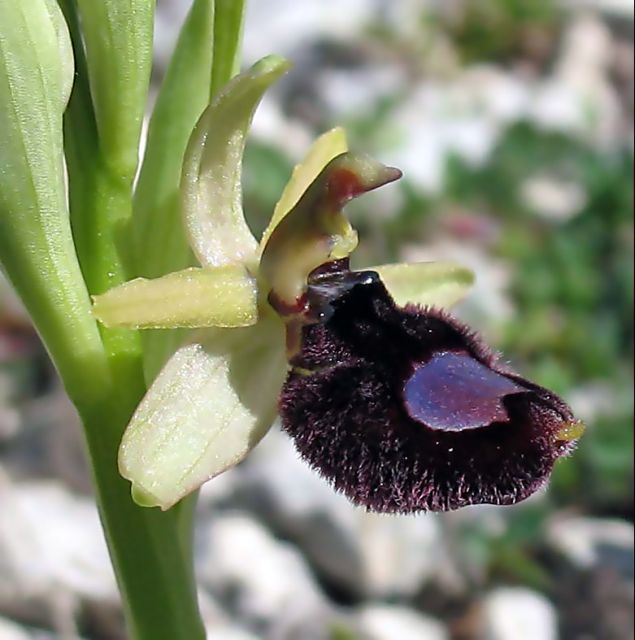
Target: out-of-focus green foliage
x=499 y=29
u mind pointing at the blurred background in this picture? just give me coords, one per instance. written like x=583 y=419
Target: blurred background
x=513 y=123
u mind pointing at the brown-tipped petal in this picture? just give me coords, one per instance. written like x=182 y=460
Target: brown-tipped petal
x=315 y=231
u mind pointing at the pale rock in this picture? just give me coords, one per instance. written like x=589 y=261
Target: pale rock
x=518 y=614
x=366 y=554
x=594 y=542
x=271 y=125
x=579 y=96
x=11 y=631
x=597 y=398
x=52 y=554
x=290 y=25
x=9 y=416
x=354 y=92
x=229 y=633
x=437 y=119
x=384 y=622
x=263 y=579
x=553 y=198
x=618 y=8
x=400 y=553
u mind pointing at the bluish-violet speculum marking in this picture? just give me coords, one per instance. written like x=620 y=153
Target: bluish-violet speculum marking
x=453 y=391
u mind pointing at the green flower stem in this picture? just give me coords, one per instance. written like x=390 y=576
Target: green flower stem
x=150 y=550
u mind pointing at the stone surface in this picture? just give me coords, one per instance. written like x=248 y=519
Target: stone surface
x=593 y=574
x=355 y=551
x=53 y=557
x=9 y=416
x=11 y=631
x=518 y=614
x=256 y=577
x=594 y=542
x=383 y=622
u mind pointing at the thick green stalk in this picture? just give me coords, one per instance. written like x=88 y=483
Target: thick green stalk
x=150 y=552
x=153 y=567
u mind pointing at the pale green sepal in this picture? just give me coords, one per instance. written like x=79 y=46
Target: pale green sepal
x=209 y=406
x=210 y=297
x=432 y=284
x=141 y=498
x=118 y=39
x=211 y=182
x=322 y=151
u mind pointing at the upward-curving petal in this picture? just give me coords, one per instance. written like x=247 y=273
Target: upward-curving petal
x=316 y=231
x=213 y=401
x=211 y=180
x=322 y=151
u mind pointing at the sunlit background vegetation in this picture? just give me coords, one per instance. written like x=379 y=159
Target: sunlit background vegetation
x=512 y=121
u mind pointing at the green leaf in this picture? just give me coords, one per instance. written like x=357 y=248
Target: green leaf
x=36 y=245
x=160 y=243
x=228 y=26
x=432 y=284
x=65 y=48
x=211 y=297
x=211 y=183
x=209 y=406
x=322 y=151
x=118 y=39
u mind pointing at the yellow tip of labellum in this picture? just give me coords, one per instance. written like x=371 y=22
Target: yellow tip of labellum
x=571 y=431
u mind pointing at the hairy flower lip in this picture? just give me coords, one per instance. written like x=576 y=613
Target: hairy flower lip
x=343 y=405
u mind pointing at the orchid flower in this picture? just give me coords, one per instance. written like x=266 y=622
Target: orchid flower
x=286 y=318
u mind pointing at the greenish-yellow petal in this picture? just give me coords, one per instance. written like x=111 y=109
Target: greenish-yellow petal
x=210 y=405
x=322 y=151
x=316 y=231
x=211 y=191
x=210 y=297
x=435 y=284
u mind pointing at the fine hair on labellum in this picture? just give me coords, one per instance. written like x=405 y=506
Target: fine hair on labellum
x=404 y=409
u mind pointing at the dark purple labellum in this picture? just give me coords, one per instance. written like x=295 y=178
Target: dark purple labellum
x=405 y=409
x=453 y=391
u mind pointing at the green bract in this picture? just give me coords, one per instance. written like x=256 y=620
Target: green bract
x=217 y=395
x=36 y=244
x=119 y=64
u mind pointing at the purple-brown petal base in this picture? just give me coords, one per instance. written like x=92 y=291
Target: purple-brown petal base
x=368 y=378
